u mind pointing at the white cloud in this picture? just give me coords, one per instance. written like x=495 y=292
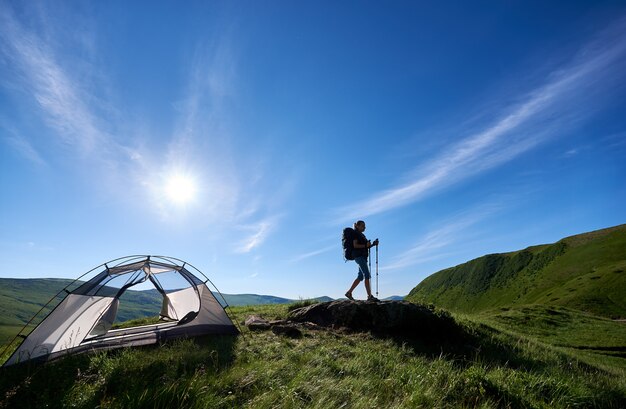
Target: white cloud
x=543 y=111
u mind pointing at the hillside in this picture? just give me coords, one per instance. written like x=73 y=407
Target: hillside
x=586 y=272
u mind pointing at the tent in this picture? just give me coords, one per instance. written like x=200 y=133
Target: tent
x=83 y=320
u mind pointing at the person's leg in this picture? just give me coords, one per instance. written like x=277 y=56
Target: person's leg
x=364 y=272
x=354 y=284
x=368 y=287
x=364 y=269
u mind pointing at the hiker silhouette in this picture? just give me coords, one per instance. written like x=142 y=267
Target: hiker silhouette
x=358 y=247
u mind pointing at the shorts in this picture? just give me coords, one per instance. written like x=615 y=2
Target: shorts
x=364 y=270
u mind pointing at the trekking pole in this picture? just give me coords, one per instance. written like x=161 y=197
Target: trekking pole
x=377 y=271
x=369 y=258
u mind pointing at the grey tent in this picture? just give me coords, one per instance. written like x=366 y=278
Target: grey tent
x=82 y=321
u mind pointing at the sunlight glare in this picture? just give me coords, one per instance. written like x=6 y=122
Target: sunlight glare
x=181 y=189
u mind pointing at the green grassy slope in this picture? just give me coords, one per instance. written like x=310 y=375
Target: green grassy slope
x=592 y=339
x=493 y=367
x=21 y=299
x=585 y=272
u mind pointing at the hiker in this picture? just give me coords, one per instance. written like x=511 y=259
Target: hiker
x=360 y=247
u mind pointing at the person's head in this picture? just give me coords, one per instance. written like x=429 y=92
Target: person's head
x=359 y=226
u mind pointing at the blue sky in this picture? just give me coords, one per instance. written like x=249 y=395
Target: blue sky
x=243 y=136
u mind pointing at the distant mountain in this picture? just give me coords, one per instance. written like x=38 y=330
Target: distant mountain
x=254 y=299
x=324 y=299
x=21 y=299
x=394 y=298
x=586 y=272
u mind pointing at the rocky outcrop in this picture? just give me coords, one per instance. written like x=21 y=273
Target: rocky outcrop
x=256 y=323
x=395 y=318
x=278 y=327
x=386 y=317
x=288 y=330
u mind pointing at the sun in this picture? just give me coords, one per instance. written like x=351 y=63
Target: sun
x=180 y=189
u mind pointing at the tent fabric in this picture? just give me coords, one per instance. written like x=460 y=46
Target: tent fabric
x=180 y=303
x=106 y=321
x=64 y=328
x=155 y=269
x=83 y=319
x=211 y=311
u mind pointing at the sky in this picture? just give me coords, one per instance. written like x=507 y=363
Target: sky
x=242 y=137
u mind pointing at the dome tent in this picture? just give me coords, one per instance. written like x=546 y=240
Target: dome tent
x=83 y=319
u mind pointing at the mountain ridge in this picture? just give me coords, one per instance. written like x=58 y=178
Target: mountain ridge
x=583 y=271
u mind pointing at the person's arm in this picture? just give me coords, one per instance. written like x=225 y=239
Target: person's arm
x=357 y=245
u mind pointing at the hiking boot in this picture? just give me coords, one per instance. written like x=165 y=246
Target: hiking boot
x=349 y=296
x=371 y=298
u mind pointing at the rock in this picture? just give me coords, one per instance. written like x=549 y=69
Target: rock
x=387 y=317
x=259 y=326
x=311 y=326
x=256 y=323
x=287 y=330
x=278 y=322
x=250 y=319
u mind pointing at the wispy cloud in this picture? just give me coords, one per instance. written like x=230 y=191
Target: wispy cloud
x=258 y=233
x=24 y=147
x=541 y=113
x=614 y=141
x=436 y=243
x=55 y=90
x=571 y=152
x=314 y=253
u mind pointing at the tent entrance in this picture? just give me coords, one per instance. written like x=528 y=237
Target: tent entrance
x=144 y=298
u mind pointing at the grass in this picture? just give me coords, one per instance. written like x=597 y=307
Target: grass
x=595 y=340
x=493 y=366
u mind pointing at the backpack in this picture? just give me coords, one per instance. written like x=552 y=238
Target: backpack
x=347 y=239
